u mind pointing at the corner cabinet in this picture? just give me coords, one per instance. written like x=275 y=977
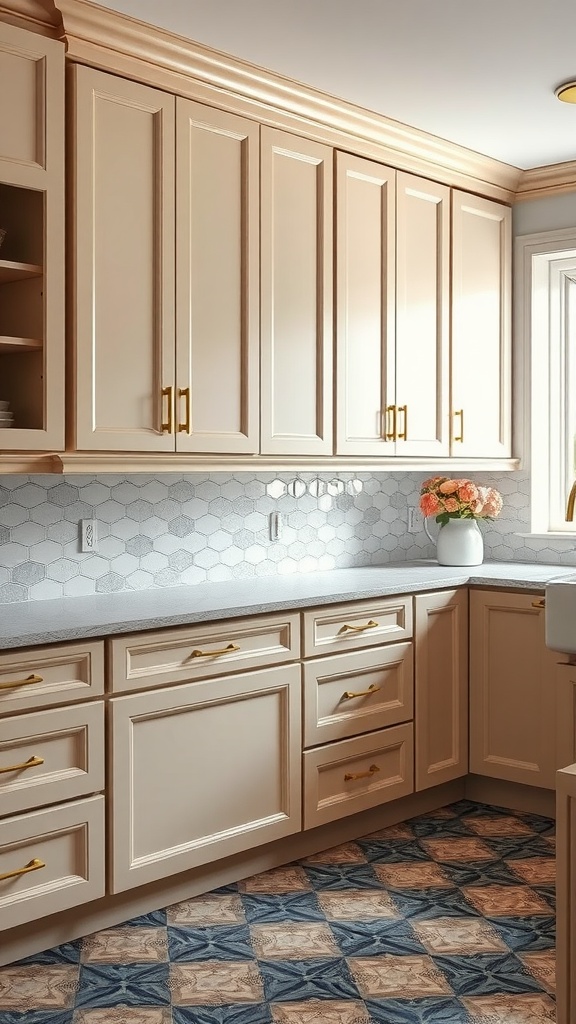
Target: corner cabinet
x=32 y=252
x=165 y=218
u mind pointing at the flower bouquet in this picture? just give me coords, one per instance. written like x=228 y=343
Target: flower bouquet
x=447 y=498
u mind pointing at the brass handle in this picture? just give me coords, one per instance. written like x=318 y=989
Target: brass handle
x=348 y=694
x=32 y=762
x=358 y=629
x=539 y=603
x=391 y=412
x=34 y=865
x=404 y=435
x=212 y=654
x=168 y=426
x=350 y=777
x=570 y=504
x=460 y=413
x=21 y=682
x=185 y=394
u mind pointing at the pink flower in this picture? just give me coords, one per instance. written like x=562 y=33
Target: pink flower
x=448 y=487
x=468 y=492
x=429 y=505
x=451 y=505
x=493 y=503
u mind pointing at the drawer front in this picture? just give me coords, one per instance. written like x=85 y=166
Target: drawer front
x=51 y=756
x=357 y=692
x=353 y=775
x=51 y=675
x=178 y=655
x=51 y=860
x=359 y=624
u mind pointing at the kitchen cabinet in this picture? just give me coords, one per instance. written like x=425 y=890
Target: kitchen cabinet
x=296 y=295
x=441 y=687
x=392 y=300
x=481 y=327
x=512 y=689
x=32 y=252
x=165 y=347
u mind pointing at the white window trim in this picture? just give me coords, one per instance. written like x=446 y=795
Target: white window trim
x=539 y=330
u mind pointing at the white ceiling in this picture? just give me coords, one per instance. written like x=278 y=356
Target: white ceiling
x=482 y=75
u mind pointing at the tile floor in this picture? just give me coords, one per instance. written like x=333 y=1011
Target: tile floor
x=447 y=919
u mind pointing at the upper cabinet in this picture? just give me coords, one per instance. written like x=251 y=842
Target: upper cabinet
x=32 y=249
x=165 y=256
x=481 y=327
x=296 y=295
x=392 y=327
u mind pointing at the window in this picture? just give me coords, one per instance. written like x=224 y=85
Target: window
x=546 y=372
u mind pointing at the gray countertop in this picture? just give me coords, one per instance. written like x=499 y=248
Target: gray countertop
x=42 y=622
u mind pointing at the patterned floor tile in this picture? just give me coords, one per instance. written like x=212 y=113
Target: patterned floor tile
x=535 y=870
x=392 y=976
x=224 y=943
x=372 y=938
x=543 y=967
x=503 y=900
x=125 y=1015
x=300 y=941
x=215 y=982
x=458 y=935
x=359 y=905
x=348 y=853
x=459 y=849
x=300 y=906
x=110 y=985
x=413 y=876
x=522 y=1009
x=300 y=980
x=288 y=879
x=486 y=974
x=321 y=1011
x=46 y=987
x=125 y=945
x=209 y=909
x=502 y=825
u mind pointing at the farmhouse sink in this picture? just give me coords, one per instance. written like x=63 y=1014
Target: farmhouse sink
x=561 y=614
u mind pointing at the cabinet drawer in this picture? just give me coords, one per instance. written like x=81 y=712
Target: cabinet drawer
x=195 y=652
x=345 y=627
x=353 y=775
x=51 y=675
x=357 y=692
x=51 y=756
x=68 y=843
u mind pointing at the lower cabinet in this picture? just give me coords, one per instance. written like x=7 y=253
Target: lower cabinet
x=512 y=689
x=203 y=770
x=441 y=687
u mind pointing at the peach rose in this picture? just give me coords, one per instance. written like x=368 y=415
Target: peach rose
x=448 y=487
x=429 y=505
x=451 y=505
x=493 y=503
x=468 y=492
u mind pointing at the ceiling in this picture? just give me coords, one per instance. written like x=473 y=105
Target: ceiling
x=482 y=75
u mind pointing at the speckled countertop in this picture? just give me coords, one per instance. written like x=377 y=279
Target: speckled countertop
x=42 y=622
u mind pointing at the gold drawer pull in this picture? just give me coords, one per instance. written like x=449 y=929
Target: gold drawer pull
x=350 y=777
x=213 y=654
x=460 y=413
x=167 y=425
x=540 y=603
x=34 y=865
x=348 y=694
x=358 y=629
x=21 y=682
x=185 y=394
x=404 y=435
x=391 y=414
x=32 y=762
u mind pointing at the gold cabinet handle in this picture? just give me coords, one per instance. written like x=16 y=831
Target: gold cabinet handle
x=539 y=603
x=351 y=777
x=34 y=865
x=358 y=629
x=185 y=394
x=348 y=694
x=391 y=421
x=168 y=425
x=32 y=762
x=404 y=410
x=213 y=654
x=460 y=413
x=13 y=683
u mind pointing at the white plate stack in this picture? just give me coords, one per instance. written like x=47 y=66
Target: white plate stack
x=6 y=417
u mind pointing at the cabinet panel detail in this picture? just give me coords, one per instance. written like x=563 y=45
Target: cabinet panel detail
x=51 y=675
x=360 y=624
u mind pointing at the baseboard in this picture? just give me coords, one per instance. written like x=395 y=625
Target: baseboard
x=511 y=794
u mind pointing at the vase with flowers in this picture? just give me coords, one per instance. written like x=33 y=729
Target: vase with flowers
x=457 y=505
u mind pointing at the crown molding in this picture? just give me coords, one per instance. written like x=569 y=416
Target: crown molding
x=549 y=180
x=38 y=16
x=111 y=41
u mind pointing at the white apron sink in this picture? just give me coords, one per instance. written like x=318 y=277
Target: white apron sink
x=561 y=614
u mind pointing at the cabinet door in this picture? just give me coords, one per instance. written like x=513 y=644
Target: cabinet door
x=296 y=300
x=481 y=314
x=365 y=338
x=123 y=260
x=441 y=687
x=512 y=690
x=422 y=316
x=217 y=289
x=32 y=249
x=202 y=771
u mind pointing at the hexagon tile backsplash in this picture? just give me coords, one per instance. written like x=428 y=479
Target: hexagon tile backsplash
x=171 y=530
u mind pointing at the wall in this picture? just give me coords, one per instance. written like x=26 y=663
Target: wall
x=172 y=530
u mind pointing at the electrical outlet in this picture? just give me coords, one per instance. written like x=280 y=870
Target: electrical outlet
x=275 y=525
x=88 y=535
x=414 y=524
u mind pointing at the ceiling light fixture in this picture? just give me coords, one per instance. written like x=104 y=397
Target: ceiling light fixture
x=566 y=92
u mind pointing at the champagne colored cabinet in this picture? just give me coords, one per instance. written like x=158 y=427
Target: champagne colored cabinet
x=296 y=295
x=481 y=327
x=32 y=250
x=165 y=257
x=441 y=687
x=512 y=689
x=392 y=259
